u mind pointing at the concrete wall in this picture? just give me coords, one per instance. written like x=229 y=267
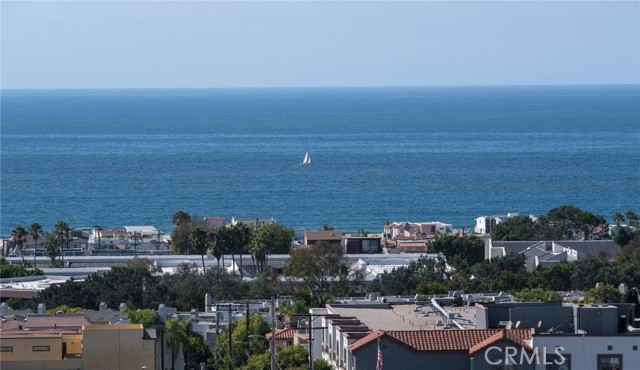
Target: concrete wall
x=117 y=347
x=42 y=365
x=529 y=314
x=23 y=349
x=584 y=349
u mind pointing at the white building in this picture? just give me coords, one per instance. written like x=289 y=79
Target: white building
x=413 y=229
x=589 y=351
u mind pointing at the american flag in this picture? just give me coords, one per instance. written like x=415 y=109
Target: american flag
x=379 y=363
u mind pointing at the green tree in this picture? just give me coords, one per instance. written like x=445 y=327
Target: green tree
x=321 y=364
x=501 y=274
x=18 y=236
x=569 y=222
x=8 y=270
x=630 y=253
x=538 y=295
x=199 y=239
x=240 y=236
x=64 y=308
x=516 y=228
x=604 y=293
x=557 y=277
x=270 y=239
x=177 y=337
x=35 y=230
x=147 y=317
x=241 y=339
x=462 y=252
x=52 y=247
x=183 y=223
x=316 y=265
x=62 y=231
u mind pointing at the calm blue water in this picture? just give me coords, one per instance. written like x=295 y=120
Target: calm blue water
x=133 y=157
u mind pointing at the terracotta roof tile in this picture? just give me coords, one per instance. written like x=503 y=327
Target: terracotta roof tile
x=447 y=340
x=284 y=334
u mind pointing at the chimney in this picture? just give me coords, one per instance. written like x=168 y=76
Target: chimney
x=42 y=308
x=207 y=302
x=102 y=307
x=122 y=308
x=194 y=313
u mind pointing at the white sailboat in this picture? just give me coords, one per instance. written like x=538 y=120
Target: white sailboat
x=307 y=160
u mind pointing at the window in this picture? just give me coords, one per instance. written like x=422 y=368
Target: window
x=6 y=348
x=609 y=362
x=555 y=362
x=370 y=246
x=41 y=348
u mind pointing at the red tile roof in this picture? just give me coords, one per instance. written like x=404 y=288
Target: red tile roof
x=447 y=340
x=284 y=334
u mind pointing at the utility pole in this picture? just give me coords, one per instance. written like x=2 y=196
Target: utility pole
x=272 y=347
x=230 y=367
x=247 y=331
x=310 y=341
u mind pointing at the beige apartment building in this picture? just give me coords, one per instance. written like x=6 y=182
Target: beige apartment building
x=95 y=347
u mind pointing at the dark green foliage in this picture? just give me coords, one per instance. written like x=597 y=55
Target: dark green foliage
x=501 y=274
x=604 y=293
x=556 y=277
x=461 y=252
x=404 y=280
x=270 y=239
x=183 y=223
x=258 y=327
x=516 y=228
x=147 y=317
x=8 y=270
x=538 y=295
x=561 y=223
x=316 y=265
x=52 y=247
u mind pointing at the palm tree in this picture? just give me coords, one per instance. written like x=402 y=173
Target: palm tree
x=618 y=218
x=215 y=245
x=179 y=217
x=52 y=246
x=35 y=231
x=178 y=334
x=62 y=231
x=199 y=242
x=18 y=235
x=240 y=237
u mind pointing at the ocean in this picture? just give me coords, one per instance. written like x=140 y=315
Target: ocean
x=134 y=157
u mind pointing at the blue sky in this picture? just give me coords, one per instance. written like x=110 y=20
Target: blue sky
x=153 y=44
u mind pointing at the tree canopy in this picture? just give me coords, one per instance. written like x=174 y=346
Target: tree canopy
x=316 y=265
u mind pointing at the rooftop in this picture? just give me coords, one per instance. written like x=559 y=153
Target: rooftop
x=402 y=316
x=448 y=340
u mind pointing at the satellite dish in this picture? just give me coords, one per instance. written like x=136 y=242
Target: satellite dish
x=539 y=324
x=518 y=324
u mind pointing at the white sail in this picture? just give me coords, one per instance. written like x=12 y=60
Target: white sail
x=307 y=160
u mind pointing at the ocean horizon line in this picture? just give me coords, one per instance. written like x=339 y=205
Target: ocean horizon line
x=328 y=87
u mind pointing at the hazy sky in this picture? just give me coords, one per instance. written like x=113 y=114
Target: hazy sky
x=317 y=43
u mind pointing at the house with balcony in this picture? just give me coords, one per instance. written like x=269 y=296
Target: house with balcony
x=396 y=230
x=361 y=244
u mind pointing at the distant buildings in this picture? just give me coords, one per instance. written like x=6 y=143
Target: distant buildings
x=548 y=253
